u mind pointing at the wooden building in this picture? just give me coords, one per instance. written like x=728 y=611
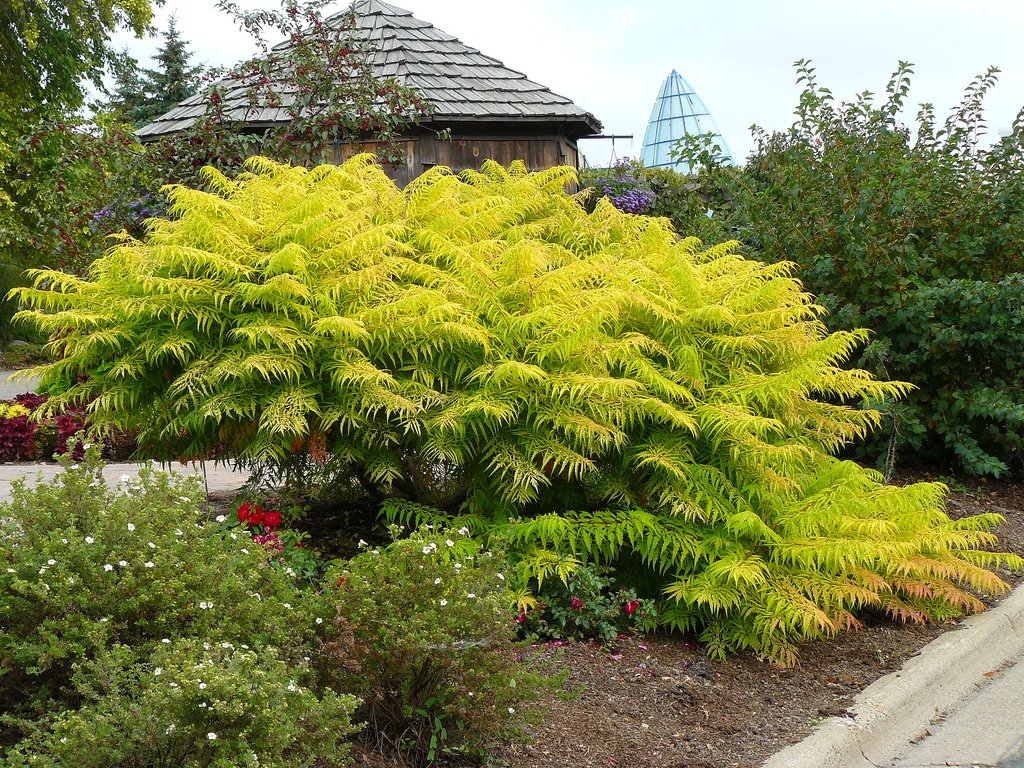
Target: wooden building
x=488 y=110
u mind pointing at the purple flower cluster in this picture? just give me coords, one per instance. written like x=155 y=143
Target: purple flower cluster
x=632 y=201
x=134 y=213
x=625 y=189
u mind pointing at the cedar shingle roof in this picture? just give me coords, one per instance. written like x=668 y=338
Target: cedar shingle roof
x=461 y=83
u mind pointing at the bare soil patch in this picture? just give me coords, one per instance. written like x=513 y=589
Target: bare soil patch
x=659 y=702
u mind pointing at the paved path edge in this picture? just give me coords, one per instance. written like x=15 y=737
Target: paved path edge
x=899 y=707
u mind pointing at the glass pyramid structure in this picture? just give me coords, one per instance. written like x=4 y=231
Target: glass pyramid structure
x=678 y=111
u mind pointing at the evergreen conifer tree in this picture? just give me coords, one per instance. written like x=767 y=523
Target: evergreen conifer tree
x=142 y=95
x=128 y=96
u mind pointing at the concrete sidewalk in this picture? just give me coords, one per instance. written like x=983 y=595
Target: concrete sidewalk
x=218 y=478
x=959 y=702
x=9 y=388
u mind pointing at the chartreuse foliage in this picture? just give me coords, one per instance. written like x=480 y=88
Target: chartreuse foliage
x=581 y=386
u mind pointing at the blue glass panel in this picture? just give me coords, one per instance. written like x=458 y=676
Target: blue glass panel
x=678 y=111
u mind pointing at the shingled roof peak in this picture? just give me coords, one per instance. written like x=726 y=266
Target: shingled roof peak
x=377 y=6
x=462 y=84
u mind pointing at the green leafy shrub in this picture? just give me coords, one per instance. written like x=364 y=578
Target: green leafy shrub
x=587 y=385
x=84 y=569
x=968 y=335
x=423 y=634
x=586 y=604
x=888 y=228
x=192 y=704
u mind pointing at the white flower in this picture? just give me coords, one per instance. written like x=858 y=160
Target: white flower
x=108 y=567
x=170 y=729
x=457 y=566
x=363 y=544
x=292 y=686
x=319 y=620
x=511 y=710
x=172 y=685
x=220 y=518
x=131 y=526
x=211 y=735
x=51 y=561
x=443 y=602
x=426 y=550
x=202 y=686
x=204 y=605
x=158 y=670
x=233 y=536
x=63 y=541
x=501 y=576
x=166 y=640
x=104 y=620
x=151 y=545
x=226 y=645
x=288 y=606
x=463 y=531
x=449 y=542
x=42 y=570
x=148 y=563
x=470 y=595
x=437 y=581
x=11 y=570
x=178 y=532
x=245 y=551
x=122 y=563
x=89 y=539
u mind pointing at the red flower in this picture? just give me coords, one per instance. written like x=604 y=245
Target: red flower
x=521 y=617
x=576 y=603
x=272 y=519
x=256 y=514
x=631 y=606
x=340 y=582
x=243 y=512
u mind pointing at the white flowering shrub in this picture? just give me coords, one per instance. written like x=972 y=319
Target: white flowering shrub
x=194 y=705
x=422 y=632
x=85 y=569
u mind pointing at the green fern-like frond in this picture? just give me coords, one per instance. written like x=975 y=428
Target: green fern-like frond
x=571 y=386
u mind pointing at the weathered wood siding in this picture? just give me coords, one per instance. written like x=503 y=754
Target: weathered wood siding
x=470 y=151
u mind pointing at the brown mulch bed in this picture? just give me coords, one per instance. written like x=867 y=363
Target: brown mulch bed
x=659 y=702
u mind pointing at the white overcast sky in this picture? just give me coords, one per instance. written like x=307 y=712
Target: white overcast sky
x=610 y=56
